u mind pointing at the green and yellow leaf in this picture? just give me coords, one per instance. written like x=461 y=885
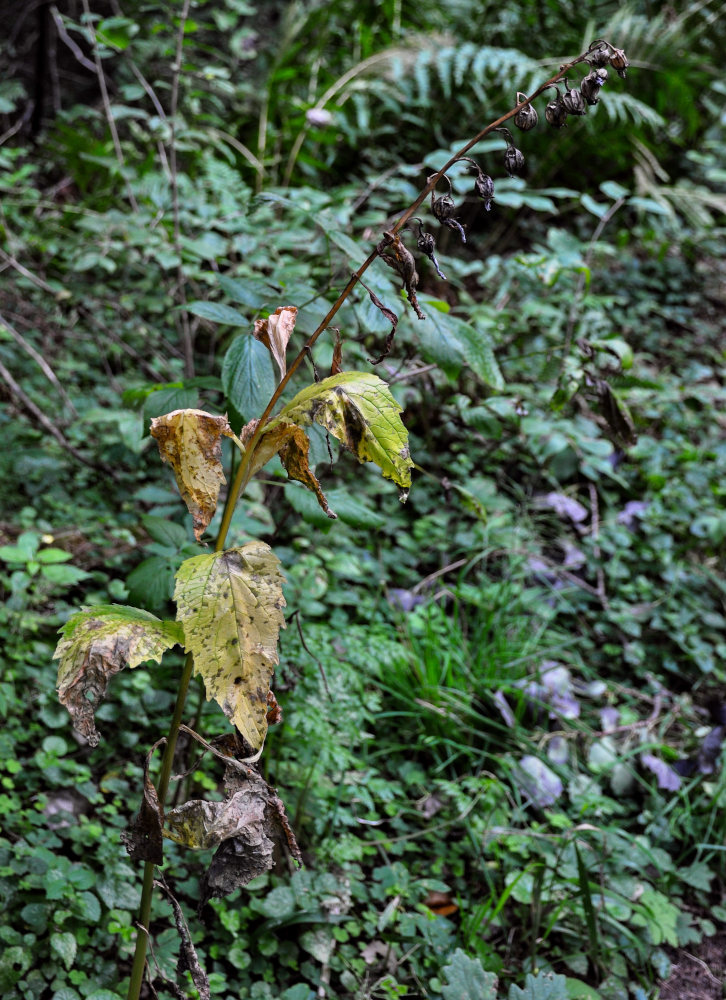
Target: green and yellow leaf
x=191 y=442
x=358 y=409
x=230 y=606
x=96 y=644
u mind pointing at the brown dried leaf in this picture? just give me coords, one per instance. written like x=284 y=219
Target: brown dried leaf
x=250 y=827
x=390 y=316
x=293 y=446
x=190 y=441
x=275 y=333
x=143 y=839
x=337 y=365
x=188 y=958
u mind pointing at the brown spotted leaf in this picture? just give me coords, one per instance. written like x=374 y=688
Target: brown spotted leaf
x=191 y=442
x=275 y=333
x=230 y=606
x=358 y=409
x=96 y=644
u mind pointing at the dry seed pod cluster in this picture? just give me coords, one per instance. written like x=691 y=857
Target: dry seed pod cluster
x=572 y=101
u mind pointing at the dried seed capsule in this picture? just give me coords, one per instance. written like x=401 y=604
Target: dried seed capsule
x=513 y=158
x=484 y=187
x=591 y=84
x=513 y=161
x=427 y=245
x=619 y=62
x=556 y=112
x=598 y=54
x=526 y=118
x=443 y=207
x=573 y=100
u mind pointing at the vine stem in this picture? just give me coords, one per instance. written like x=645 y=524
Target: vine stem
x=240 y=481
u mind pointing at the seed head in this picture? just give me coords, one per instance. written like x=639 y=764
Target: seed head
x=526 y=118
x=619 y=62
x=573 y=100
x=556 y=112
x=591 y=84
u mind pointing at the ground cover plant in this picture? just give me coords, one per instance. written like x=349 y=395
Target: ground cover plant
x=451 y=690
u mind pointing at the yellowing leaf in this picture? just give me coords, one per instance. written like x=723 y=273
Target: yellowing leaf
x=275 y=333
x=230 y=606
x=190 y=441
x=96 y=644
x=358 y=409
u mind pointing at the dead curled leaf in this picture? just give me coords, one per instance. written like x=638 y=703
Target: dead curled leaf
x=191 y=442
x=143 y=839
x=249 y=828
x=275 y=333
x=293 y=446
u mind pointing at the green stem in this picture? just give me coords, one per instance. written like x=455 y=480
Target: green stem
x=137 y=970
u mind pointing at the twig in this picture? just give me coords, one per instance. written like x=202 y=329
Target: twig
x=67 y=40
x=595 y=522
x=186 y=333
x=48 y=424
x=107 y=105
x=40 y=361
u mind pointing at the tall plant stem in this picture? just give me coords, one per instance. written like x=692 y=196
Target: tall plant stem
x=240 y=481
x=137 y=970
x=242 y=476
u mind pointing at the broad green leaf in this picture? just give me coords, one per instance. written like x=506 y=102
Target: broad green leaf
x=191 y=442
x=467 y=979
x=163 y=401
x=248 y=377
x=480 y=354
x=217 y=313
x=64 y=945
x=543 y=986
x=253 y=294
x=164 y=531
x=96 y=644
x=64 y=575
x=358 y=409
x=53 y=556
x=230 y=605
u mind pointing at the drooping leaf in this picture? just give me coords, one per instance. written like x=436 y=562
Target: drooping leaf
x=202 y=825
x=143 y=839
x=217 y=312
x=188 y=958
x=230 y=605
x=275 y=333
x=467 y=979
x=190 y=441
x=358 y=409
x=293 y=446
x=250 y=851
x=248 y=377
x=96 y=644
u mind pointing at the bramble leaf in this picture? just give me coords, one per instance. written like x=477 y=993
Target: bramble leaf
x=467 y=979
x=230 y=606
x=190 y=441
x=358 y=409
x=96 y=644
